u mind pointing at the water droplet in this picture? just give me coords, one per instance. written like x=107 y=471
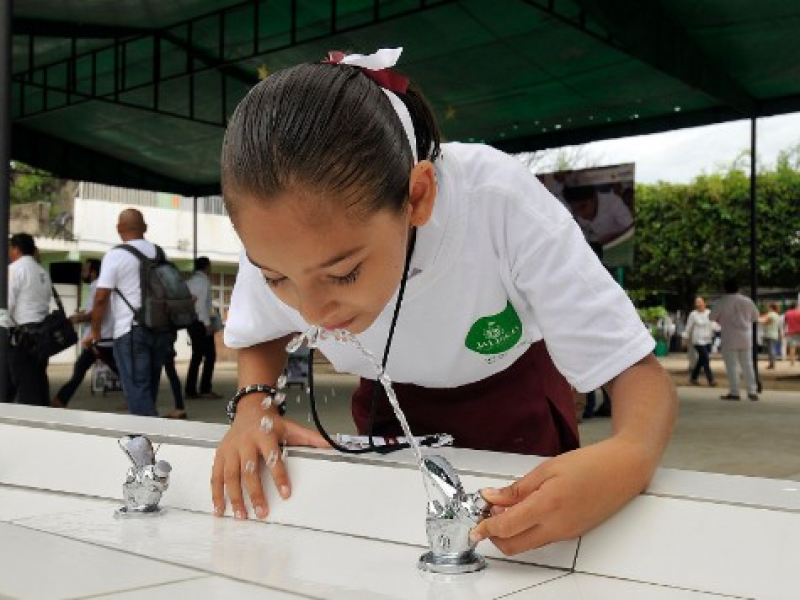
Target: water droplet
x=282 y=382
x=279 y=399
x=295 y=343
x=266 y=403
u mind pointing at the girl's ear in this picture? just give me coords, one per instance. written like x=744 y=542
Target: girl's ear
x=422 y=192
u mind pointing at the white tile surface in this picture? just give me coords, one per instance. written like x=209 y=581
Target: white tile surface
x=19 y=503
x=698 y=545
x=302 y=561
x=207 y=588
x=730 y=489
x=40 y=565
x=577 y=586
x=388 y=499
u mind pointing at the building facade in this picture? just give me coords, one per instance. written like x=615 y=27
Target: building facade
x=89 y=231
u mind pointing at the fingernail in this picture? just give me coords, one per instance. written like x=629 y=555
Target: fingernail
x=475 y=535
x=261 y=512
x=239 y=514
x=218 y=510
x=284 y=491
x=489 y=491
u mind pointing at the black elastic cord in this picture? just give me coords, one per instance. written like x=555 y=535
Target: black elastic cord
x=376 y=389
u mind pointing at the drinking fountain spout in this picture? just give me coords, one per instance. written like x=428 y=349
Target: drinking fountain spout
x=450 y=517
x=146 y=480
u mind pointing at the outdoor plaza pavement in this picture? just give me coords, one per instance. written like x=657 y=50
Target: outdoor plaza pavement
x=760 y=439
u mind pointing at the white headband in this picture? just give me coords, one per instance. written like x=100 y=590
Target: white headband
x=385 y=59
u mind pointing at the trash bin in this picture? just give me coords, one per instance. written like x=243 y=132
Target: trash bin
x=661 y=348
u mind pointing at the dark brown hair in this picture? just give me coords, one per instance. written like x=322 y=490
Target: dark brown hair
x=24 y=243
x=327 y=129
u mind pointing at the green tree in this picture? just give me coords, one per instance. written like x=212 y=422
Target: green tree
x=690 y=238
x=29 y=184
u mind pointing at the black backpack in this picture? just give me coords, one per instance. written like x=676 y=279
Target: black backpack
x=167 y=304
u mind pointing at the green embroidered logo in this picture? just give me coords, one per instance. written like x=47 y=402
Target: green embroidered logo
x=496 y=333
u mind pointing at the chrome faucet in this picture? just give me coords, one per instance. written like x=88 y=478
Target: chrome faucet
x=450 y=517
x=146 y=480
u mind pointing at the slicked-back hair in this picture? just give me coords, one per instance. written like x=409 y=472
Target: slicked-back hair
x=328 y=130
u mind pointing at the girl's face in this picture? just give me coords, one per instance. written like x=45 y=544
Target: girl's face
x=338 y=269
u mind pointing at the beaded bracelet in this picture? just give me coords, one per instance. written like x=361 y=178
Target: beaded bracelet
x=276 y=398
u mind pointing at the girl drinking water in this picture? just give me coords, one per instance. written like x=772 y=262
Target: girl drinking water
x=459 y=266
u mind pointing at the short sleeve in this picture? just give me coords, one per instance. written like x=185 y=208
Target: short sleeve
x=590 y=326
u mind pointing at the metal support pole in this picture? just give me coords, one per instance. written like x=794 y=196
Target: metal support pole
x=194 y=232
x=754 y=242
x=5 y=186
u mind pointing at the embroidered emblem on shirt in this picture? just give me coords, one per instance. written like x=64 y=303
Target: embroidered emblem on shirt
x=495 y=334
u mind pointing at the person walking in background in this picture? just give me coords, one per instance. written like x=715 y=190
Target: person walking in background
x=139 y=351
x=201 y=333
x=179 y=412
x=700 y=333
x=772 y=332
x=736 y=314
x=29 y=294
x=791 y=324
x=102 y=349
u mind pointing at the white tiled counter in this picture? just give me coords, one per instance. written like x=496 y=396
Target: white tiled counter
x=354 y=527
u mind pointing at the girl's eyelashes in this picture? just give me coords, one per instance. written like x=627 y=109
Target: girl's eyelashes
x=351 y=277
x=273 y=281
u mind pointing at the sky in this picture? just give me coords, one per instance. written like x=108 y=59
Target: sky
x=679 y=156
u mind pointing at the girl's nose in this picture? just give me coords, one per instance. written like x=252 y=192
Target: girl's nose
x=316 y=306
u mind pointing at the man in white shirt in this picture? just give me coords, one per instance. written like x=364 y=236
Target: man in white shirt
x=140 y=352
x=736 y=314
x=29 y=293
x=103 y=349
x=201 y=333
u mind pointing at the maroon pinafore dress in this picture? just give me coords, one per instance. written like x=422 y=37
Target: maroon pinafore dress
x=526 y=409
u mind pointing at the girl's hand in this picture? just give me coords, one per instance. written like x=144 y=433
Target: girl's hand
x=255 y=435
x=564 y=497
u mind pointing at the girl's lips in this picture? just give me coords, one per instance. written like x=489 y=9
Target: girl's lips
x=342 y=325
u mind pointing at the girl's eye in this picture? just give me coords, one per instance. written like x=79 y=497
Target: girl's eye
x=273 y=281
x=349 y=278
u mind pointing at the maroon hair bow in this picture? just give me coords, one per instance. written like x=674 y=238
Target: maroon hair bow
x=386 y=78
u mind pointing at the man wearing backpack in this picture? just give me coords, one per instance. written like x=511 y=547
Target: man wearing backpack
x=140 y=351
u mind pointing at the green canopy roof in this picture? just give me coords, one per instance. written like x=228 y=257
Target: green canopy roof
x=137 y=92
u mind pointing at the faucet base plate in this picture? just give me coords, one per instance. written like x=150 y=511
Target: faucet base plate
x=468 y=562
x=127 y=512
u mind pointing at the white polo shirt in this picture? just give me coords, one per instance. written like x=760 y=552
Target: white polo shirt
x=120 y=270
x=107 y=326
x=29 y=291
x=500 y=265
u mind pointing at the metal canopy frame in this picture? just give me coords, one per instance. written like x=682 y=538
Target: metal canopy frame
x=185 y=75
x=190 y=73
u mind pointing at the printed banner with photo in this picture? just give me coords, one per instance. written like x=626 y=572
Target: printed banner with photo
x=601 y=200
